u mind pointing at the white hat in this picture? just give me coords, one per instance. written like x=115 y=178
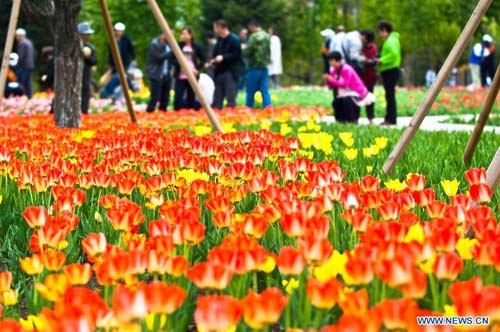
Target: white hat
x=20 y=32
x=120 y=26
x=487 y=38
x=327 y=33
x=13 y=59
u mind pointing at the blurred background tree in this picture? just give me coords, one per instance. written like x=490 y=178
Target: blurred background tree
x=428 y=28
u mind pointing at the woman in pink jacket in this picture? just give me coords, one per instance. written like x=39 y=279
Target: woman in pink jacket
x=349 y=84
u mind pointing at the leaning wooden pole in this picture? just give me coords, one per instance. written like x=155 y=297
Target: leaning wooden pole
x=493 y=173
x=9 y=43
x=184 y=65
x=483 y=117
x=117 y=59
x=438 y=84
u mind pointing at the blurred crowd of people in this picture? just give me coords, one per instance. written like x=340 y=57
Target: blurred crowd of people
x=351 y=62
x=229 y=63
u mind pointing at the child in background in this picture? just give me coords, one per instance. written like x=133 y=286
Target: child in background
x=345 y=78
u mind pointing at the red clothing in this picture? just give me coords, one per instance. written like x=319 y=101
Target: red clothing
x=369 y=77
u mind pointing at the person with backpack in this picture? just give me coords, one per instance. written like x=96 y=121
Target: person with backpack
x=258 y=55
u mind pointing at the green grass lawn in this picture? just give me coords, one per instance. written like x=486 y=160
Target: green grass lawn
x=450 y=100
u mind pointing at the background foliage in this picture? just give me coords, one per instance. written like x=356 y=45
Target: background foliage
x=428 y=28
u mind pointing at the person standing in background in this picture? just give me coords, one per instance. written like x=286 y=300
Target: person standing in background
x=369 y=76
x=488 y=63
x=244 y=41
x=26 y=63
x=211 y=40
x=196 y=59
x=275 y=67
x=158 y=65
x=126 y=47
x=326 y=48
x=227 y=63
x=478 y=53
x=389 y=62
x=89 y=60
x=258 y=57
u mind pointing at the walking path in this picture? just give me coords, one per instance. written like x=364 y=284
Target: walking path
x=430 y=123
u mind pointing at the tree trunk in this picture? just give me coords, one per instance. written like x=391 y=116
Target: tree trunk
x=68 y=64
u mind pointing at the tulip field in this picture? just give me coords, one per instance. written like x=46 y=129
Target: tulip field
x=280 y=223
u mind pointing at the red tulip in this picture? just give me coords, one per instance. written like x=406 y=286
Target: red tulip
x=475 y=176
x=480 y=193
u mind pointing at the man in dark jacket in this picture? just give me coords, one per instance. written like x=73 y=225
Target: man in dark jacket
x=26 y=52
x=227 y=64
x=158 y=62
x=89 y=60
x=126 y=47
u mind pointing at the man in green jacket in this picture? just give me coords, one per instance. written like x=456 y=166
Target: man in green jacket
x=389 y=62
x=258 y=55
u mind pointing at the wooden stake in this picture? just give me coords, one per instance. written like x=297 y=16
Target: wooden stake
x=117 y=58
x=493 y=173
x=9 y=43
x=438 y=84
x=184 y=65
x=483 y=117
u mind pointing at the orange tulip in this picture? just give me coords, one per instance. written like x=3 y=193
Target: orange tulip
x=436 y=209
x=210 y=275
x=355 y=303
x=177 y=266
x=397 y=271
x=388 y=211
x=263 y=309
x=124 y=215
x=36 y=216
x=369 y=183
x=32 y=265
x=54 y=287
x=94 y=245
x=323 y=295
x=291 y=261
x=417 y=287
x=316 y=250
x=398 y=314
x=53 y=260
x=447 y=266
x=129 y=304
x=78 y=274
x=217 y=313
x=10 y=325
x=5 y=281
x=162 y=298
x=466 y=296
x=416 y=182
x=424 y=197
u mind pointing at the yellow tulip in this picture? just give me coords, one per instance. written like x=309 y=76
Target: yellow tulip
x=464 y=246
x=334 y=265
x=290 y=285
x=351 y=154
x=395 y=185
x=427 y=265
x=202 y=130
x=265 y=124
x=285 y=129
x=450 y=187
x=369 y=169
x=268 y=265
x=381 y=142
x=415 y=233
x=347 y=138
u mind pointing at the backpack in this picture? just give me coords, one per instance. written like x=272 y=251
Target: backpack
x=358 y=66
